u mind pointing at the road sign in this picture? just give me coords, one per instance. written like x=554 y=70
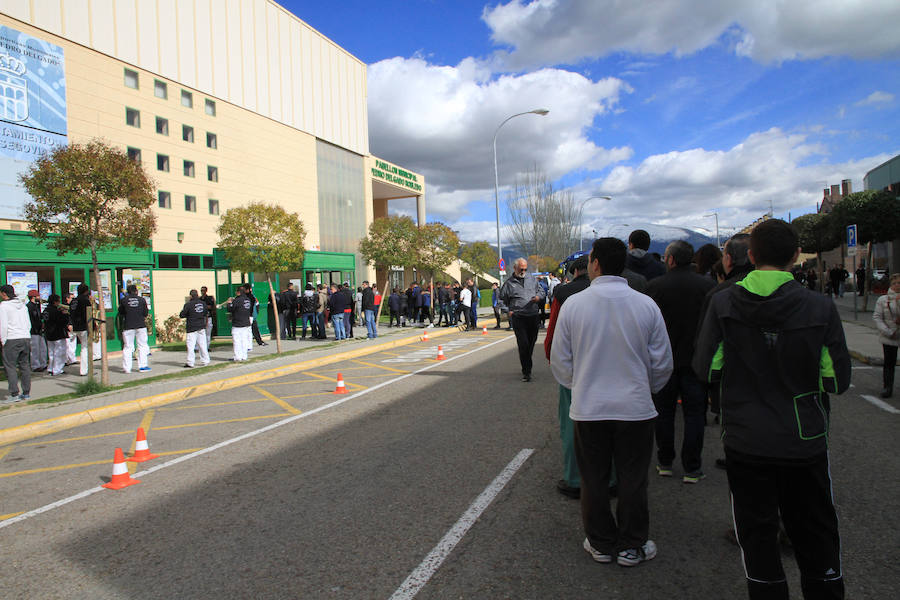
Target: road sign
x=502 y=264
x=851 y=240
x=503 y=272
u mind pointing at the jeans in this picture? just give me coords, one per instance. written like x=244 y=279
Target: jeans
x=371 y=327
x=444 y=313
x=320 y=325
x=683 y=383
x=311 y=319
x=567 y=435
x=338 y=322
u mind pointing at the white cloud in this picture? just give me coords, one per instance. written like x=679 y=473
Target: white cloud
x=679 y=188
x=876 y=98
x=440 y=121
x=551 y=32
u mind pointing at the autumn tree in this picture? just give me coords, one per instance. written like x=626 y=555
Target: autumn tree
x=438 y=247
x=263 y=238
x=816 y=235
x=480 y=257
x=89 y=198
x=391 y=241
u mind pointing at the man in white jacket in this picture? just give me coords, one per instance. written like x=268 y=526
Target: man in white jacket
x=611 y=348
x=15 y=335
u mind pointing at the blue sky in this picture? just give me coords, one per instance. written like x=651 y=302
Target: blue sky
x=675 y=108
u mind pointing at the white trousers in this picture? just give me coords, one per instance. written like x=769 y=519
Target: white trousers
x=128 y=338
x=57 y=350
x=241 y=338
x=71 y=341
x=38 y=352
x=208 y=331
x=198 y=339
x=83 y=358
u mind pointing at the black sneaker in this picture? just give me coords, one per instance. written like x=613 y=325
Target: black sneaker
x=635 y=556
x=567 y=490
x=526 y=377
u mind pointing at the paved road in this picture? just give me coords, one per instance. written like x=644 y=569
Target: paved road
x=347 y=500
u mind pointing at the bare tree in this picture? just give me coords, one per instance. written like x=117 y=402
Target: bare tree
x=545 y=221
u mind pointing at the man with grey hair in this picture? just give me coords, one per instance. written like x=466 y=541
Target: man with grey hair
x=522 y=296
x=680 y=294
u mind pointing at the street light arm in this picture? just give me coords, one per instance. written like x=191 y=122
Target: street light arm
x=581 y=215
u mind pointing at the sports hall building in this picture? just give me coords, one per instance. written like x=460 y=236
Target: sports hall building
x=224 y=102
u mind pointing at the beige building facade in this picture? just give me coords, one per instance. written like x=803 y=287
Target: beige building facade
x=224 y=103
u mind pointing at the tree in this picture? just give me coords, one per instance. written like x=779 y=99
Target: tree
x=480 y=257
x=263 y=238
x=877 y=217
x=90 y=197
x=816 y=235
x=391 y=241
x=545 y=222
x=543 y=264
x=438 y=247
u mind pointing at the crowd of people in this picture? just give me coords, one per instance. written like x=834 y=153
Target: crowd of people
x=732 y=330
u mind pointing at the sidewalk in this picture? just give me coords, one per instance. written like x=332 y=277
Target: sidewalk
x=860 y=330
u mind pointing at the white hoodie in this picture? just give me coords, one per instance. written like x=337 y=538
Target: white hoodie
x=14 y=321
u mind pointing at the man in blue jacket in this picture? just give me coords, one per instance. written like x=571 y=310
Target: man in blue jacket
x=776 y=350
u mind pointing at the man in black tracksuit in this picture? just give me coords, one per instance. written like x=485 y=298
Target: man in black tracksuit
x=777 y=350
x=196 y=312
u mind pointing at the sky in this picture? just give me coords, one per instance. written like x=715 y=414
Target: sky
x=676 y=109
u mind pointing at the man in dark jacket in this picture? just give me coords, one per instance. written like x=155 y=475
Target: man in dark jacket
x=289 y=312
x=639 y=259
x=133 y=310
x=78 y=315
x=349 y=310
x=394 y=307
x=679 y=295
x=368 y=308
x=241 y=310
x=38 y=344
x=338 y=304
x=254 y=317
x=196 y=313
x=522 y=295
x=210 y=302
x=777 y=350
x=56 y=330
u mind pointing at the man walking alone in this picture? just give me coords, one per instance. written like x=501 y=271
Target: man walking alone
x=522 y=295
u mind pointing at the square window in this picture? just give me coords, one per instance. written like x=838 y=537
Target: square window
x=187 y=133
x=167 y=261
x=133 y=117
x=211 y=140
x=162 y=162
x=213 y=207
x=208 y=261
x=188 y=168
x=190 y=203
x=190 y=262
x=134 y=154
x=165 y=199
x=162 y=126
x=212 y=173
x=187 y=99
x=131 y=79
x=160 y=90
x=210 y=107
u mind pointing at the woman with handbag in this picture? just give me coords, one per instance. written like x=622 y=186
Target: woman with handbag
x=887 y=317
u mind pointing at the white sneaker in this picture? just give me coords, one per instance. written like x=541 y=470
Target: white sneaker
x=598 y=556
x=635 y=556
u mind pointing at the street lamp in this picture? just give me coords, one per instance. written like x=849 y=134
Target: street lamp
x=611 y=227
x=537 y=111
x=580 y=216
x=716 y=215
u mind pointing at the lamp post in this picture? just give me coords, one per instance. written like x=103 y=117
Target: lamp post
x=716 y=215
x=581 y=214
x=537 y=111
x=611 y=227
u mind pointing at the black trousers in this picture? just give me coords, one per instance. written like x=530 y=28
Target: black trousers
x=526 y=330
x=255 y=329
x=801 y=496
x=890 y=361
x=290 y=320
x=628 y=444
x=682 y=384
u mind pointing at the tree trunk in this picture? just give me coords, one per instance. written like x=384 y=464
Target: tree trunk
x=89 y=318
x=387 y=282
x=275 y=312
x=104 y=358
x=867 y=286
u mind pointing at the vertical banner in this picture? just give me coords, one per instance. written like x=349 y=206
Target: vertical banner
x=32 y=110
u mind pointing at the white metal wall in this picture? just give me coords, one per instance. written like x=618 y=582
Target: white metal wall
x=252 y=53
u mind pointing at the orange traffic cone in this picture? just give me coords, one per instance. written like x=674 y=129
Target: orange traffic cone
x=120 y=476
x=484 y=331
x=340 y=389
x=425 y=336
x=142 y=448
x=440 y=355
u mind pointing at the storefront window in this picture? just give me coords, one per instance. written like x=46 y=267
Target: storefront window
x=342 y=210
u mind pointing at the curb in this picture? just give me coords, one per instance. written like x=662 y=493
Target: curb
x=869 y=360
x=86 y=417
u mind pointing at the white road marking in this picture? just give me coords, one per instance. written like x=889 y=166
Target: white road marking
x=881 y=404
x=862 y=367
x=249 y=434
x=431 y=563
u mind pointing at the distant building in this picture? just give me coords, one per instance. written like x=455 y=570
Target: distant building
x=886 y=177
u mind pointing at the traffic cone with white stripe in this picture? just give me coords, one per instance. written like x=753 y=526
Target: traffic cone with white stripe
x=484 y=331
x=425 y=336
x=440 y=355
x=120 y=476
x=141 y=448
x=340 y=389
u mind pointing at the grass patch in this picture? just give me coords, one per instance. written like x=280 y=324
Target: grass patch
x=90 y=387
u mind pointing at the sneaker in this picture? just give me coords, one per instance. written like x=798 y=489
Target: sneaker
x=635 y=556
x=694 y=477
x=25 y=397
x=11 y=399
x=187 y=366
x=598 y=556
x=664 y=470
x=144 y=369
x=526 y=377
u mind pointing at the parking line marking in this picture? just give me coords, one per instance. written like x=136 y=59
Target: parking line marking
x=430 y=564
x=203 y=423
x=5 y=451
x=880 y=404
x=309 y=395
x=11 y=515
x=277 y=400
x=346 y=383
x=108 y=461
x=76 y=439
x=368 y=364
x=242 y=437
x=213 y=404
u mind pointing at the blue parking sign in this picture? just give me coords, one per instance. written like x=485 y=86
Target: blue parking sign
x=851 y=240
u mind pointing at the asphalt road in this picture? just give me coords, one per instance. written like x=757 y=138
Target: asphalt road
x=347 y=500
